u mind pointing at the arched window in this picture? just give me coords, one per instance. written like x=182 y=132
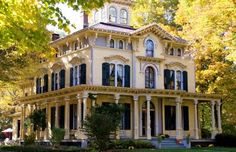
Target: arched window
x=112 y=14
x=123 y=16
x=112 y=43
x=171 y=51
x=179 y=52
x=121 y=44
x=149 y=48
x=149 y=77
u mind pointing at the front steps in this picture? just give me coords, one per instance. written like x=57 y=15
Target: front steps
x=169 y=143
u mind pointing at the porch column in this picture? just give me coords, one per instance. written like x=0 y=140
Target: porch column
x=85 y=96
x=116 y=98
x=67 y=118
x=148 y=98
x=22 y=128
x=178 y=119
x=213 y=133
x=219 y=116
x=136 y=114
x=78 y=111
x=57 y=115
x=94 y=99
x=48 y=112
x=196 y=119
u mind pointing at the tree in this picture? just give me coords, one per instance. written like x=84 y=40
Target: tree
x=161 y=12
x=209 y=27
x=24 y=37
x=101 y=123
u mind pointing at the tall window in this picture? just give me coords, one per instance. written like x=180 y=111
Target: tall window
x=170 y=117
x=120 y=75
x=112 y=14
x=112 y=43
x=125 y=119
x=121 y=44
x=112 y=75
x=179 y=80
x=73 y=116
x=149 y=77
x=123 y=16
x=115 y=75
x=78 y=75
x=149 y=48
x=58 y=80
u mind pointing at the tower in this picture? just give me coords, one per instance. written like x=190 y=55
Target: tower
x=115 y=12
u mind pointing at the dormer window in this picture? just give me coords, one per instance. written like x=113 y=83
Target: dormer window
x=123 y=16
x=112 y=14
x=149 y=48
x=112 y=43
x=121 y=44
x=179 y=52
x=171 y=51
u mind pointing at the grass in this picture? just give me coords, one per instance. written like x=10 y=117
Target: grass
x=75 y=149
x=213 y=149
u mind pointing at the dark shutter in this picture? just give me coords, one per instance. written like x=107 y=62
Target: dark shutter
x=172 y=79
x=127 y=76
x=62 y=116
x=185 y=117
x=105 y=74
x=62 y=79
x=53 y=120
x=71 y=76
x=167 y=79
x=185 y=80
x=82 y=74
x=52 y=82
x=45 y=86
x=71 y=116
x=37 y=85
x=40 y=89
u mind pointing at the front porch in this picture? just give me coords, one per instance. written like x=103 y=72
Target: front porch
x=149 y=112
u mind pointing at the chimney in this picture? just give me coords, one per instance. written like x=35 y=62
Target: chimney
x=85 y=20
x=55 y=36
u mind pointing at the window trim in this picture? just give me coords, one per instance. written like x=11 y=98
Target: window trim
x=154 y=78
x=123 y=18
x=116 y=70
x=114 y=44
x=122 y=44
x=145 y=46
x=110 y=16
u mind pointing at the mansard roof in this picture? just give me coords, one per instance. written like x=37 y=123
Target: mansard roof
x=128 y=30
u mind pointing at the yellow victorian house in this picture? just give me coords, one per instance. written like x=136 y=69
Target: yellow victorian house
x=146 y=69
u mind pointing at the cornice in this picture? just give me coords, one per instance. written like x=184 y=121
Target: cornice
x=175 y=64
x=116 y=57
x=149 y=59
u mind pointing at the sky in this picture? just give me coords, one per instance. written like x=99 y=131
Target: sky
x=70 y=14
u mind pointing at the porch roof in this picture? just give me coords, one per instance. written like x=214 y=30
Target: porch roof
x=114 y=90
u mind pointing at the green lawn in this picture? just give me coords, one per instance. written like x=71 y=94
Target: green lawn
x=215 y=149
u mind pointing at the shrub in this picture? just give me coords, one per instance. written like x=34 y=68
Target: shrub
x=101 y=123
x=205 y=133
x=129 y=144
x=57 y=136
x=30 y=139
x=226 y=140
